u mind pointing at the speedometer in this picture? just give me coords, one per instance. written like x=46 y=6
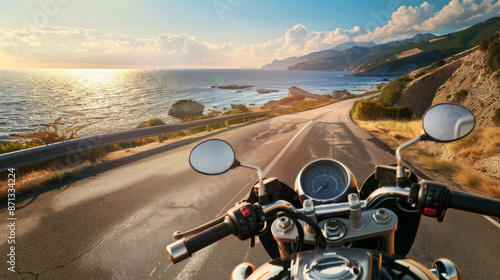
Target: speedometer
x=324 y=180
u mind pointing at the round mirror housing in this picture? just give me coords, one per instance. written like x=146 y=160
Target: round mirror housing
x=448 y=122
x=212 y=157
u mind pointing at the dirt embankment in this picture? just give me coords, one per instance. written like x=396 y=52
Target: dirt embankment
x=463 y=80
x=471 y=86
x=420 y=92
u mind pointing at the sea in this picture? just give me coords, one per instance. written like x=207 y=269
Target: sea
x=100 y=101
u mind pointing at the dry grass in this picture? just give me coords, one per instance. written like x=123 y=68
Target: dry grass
x=457 y=160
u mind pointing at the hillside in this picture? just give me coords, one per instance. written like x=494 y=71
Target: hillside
x=351 y=58
x=471 y=79
x=394 y=62
x=283 y=64
x=465 y=81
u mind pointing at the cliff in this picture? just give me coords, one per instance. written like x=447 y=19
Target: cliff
x=464 y=81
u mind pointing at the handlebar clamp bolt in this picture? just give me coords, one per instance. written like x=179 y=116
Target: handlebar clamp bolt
x=334 y=230
x=381 y=216
x=284 y=224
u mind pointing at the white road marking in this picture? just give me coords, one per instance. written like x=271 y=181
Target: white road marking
x=197 y=260
x=492 y=221
x=195 y=263
x=275 y=160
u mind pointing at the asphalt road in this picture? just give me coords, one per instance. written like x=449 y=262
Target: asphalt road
x=116 y=223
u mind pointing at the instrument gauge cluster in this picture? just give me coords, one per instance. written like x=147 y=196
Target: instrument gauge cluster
x=324 y=181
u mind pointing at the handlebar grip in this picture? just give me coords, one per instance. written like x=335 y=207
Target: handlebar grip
x=184 y=248
x=473 y=203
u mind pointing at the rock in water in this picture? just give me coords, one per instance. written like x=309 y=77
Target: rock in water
x=186 y=108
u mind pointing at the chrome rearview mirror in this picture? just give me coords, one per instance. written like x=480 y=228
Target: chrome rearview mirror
x=448 y=122
x=213 y=157
x=444 y=122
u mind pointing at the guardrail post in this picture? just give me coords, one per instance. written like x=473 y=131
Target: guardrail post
x=208 y=128
x=227 y=124
x=244 y=119
x=160 y=138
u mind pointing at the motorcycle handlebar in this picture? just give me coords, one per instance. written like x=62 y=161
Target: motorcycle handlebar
x=185 y=247
x=473 y=203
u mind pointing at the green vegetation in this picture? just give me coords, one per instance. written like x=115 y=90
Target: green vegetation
x=7 y=147
x=420 y=74
x=438 y=64
x=492 y=46
x=241 y=109
x=151 y=122
x=392 y=91
x=304 y=103
x=496 y=117
x=461 y=95
x=370 y=110
x=435 y=50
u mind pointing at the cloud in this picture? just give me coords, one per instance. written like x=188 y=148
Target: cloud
x=58 y=44
x=457 y=13
x=54 y=45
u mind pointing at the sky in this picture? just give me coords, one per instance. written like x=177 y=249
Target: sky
x=157 y=34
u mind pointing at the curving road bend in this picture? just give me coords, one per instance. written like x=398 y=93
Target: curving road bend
x=116 y=223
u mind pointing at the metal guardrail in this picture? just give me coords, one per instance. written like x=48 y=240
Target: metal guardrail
x=71 y=147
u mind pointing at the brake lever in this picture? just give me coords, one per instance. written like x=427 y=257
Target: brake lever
x=178 y=235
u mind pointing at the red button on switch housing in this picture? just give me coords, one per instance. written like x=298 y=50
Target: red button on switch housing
x=245 y=211
x=430 y=212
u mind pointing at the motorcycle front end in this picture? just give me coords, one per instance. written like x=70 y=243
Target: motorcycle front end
x=328 y=228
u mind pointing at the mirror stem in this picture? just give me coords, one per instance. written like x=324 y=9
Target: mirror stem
x=404 y=146
x=400 y=171
x=259 y=171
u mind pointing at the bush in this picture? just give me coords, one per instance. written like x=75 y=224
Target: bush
x=492 y=46
x=392 y=91
x=485 y=44
x=243 y=108
x=369 y=110
x=496 y=117
x=438 y=64
x=8 y=147
x=420 y=74
x=304 y=103
x=399 y=112
x=461 y=95
x=151 y=122
x=155 y=122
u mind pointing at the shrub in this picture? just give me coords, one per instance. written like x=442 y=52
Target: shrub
x=492 y=46
x=392 y=91
x=486 y=42
x=369 y=110
x=304 y=103
x=399 y=112
x=496 y=117
x=8 y=147
x=420 y=74
x=155 y=122
x=461 y=95
x=243 y=108
x=438 y=64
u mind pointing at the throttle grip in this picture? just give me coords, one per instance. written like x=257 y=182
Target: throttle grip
x=184 y=248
